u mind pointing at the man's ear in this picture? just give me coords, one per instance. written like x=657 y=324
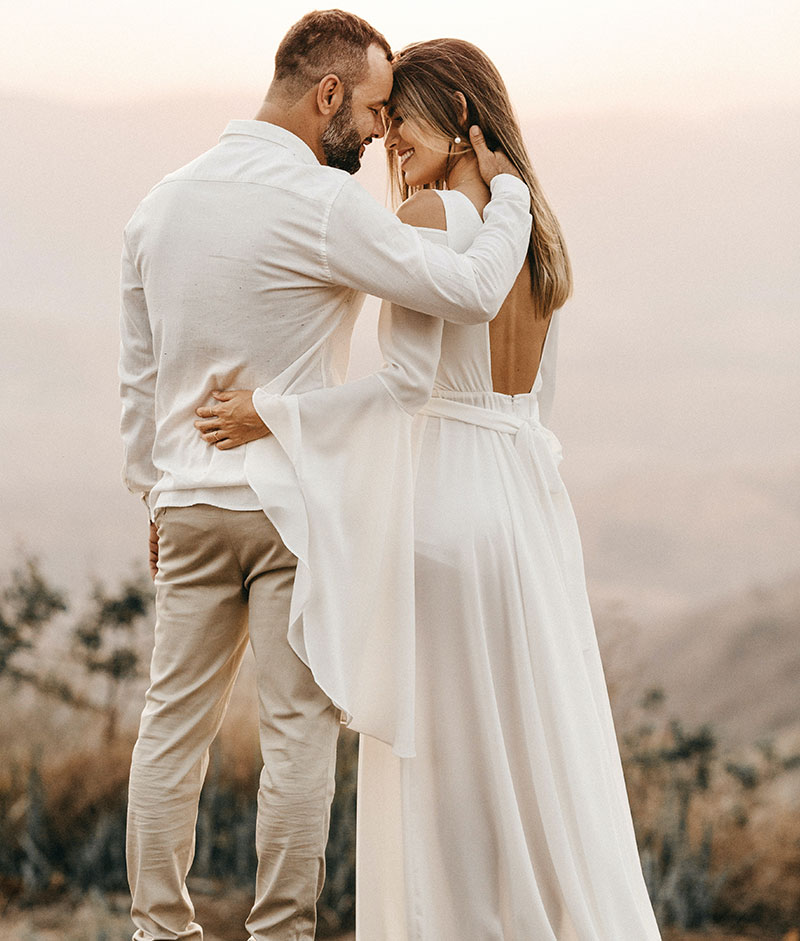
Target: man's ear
x=330 y=95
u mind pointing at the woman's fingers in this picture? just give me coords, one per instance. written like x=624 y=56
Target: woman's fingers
x=208 y=424
x=232 y=422
x=211 y=431
x=224 y=442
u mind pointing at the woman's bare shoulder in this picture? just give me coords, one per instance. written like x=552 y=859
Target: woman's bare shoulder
x=424 y=209
x=478 y=193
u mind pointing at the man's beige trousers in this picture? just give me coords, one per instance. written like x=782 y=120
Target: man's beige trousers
x=224 y=575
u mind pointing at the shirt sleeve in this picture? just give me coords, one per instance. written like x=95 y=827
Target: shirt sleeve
x=367 y=247
x=137 y=377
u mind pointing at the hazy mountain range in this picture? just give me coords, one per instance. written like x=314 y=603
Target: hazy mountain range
x=735 y=663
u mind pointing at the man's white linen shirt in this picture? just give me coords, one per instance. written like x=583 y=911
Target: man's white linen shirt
x=251 y=262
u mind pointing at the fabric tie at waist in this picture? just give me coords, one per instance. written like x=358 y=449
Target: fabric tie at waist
x=531 y=438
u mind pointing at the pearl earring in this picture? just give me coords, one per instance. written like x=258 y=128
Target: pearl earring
x=457 y=140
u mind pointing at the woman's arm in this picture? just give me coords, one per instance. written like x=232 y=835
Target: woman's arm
x=336 y=478
x=410 y=343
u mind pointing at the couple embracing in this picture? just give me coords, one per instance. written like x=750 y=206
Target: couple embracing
x=399 y=551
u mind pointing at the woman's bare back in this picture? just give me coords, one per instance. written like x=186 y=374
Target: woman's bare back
x=516 y=339
x=516 y=334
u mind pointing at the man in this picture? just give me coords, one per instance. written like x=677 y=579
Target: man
x=234 y=268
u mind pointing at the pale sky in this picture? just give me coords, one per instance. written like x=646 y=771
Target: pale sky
x=676 y=55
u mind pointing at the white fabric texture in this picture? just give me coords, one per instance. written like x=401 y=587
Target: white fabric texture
x=336 y=477
x=512 y=822
x=247 y=266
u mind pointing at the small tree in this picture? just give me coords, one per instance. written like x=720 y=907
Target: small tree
x=101 y=641
x=26 y=605
x=97 y=645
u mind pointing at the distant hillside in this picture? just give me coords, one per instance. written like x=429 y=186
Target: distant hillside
x=677 y=537
x=734 y=664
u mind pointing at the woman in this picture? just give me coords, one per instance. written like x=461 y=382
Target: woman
x=512 y=821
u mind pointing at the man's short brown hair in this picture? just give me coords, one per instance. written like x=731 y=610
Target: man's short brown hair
x=325 y=42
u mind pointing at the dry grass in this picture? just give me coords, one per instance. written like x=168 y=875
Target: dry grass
x=79 y=782
x=756 y=842
x=755 y=848
x=716 y=936
x=106 y=917
x=756 y=836
x=763 y=860
x=97 y=917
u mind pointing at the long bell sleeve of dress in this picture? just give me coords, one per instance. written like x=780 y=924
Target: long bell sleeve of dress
x=336 y=477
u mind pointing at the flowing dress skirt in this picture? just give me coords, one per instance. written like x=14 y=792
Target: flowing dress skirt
x=512 y=822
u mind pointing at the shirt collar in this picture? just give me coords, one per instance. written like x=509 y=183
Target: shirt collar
x=275 y=134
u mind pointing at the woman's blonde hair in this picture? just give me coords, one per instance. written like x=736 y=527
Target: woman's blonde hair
x=427 y=79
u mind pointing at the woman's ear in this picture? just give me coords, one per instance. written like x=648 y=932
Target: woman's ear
x=461 y=106
x=330 y=94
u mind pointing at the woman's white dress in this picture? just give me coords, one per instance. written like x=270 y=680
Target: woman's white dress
x=511 y=822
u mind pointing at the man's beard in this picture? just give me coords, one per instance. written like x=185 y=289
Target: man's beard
x=341 y=142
